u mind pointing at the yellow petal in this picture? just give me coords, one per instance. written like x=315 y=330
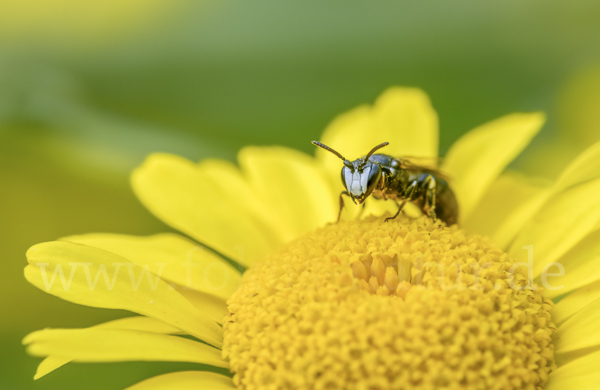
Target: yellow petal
x=405 y=117
x=214 y=307
x=575 y=302
x=564 y=220
x=581 y=266
x=508 y=193
x=478 y=157
x=518 y=217
x=171 y=257
x=50 y=364
x=231 y=183
x=139 y=323
x=401 y=116
x=186 y=198
x=293 y=185
x=580 y=374
x=186 y=380
x=579 y=333
x=94 y=277
x=584 y=168
x=117 y=345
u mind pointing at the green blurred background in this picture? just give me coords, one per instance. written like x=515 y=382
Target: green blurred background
x=87 y=89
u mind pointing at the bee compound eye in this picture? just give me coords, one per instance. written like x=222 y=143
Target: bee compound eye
x=374 y=176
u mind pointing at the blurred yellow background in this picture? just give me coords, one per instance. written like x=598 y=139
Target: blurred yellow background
x=87 y=89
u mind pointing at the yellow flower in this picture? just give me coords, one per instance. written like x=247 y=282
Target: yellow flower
x=365 y=304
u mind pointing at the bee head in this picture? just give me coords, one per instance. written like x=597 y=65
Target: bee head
x=361 y=176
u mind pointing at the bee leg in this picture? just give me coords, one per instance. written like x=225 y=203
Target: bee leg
x=342 y=203
x=362 y=209
x=400 y=207
x=430 y=191
x=408 y=196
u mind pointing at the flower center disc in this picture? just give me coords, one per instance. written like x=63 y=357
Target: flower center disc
x=404 y=304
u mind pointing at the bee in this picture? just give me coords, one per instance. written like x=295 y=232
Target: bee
x=386 y=177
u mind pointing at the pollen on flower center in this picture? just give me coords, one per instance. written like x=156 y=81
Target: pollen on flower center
x=405 y=304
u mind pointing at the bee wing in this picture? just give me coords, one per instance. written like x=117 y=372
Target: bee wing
x=431 y=162
x=427 y=164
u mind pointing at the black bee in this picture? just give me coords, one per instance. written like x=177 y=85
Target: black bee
x=387 y=177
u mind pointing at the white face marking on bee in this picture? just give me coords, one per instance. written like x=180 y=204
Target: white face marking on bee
x=356 y=182
x=364 y=178
x=355 y=188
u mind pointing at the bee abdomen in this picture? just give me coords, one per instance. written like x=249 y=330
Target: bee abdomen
x=446 y=206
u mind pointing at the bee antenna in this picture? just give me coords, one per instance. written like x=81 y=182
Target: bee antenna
x=317 y=143
x=376 y=148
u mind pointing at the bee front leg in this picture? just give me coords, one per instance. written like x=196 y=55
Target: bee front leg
x=362 y=210
x=342 y=203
